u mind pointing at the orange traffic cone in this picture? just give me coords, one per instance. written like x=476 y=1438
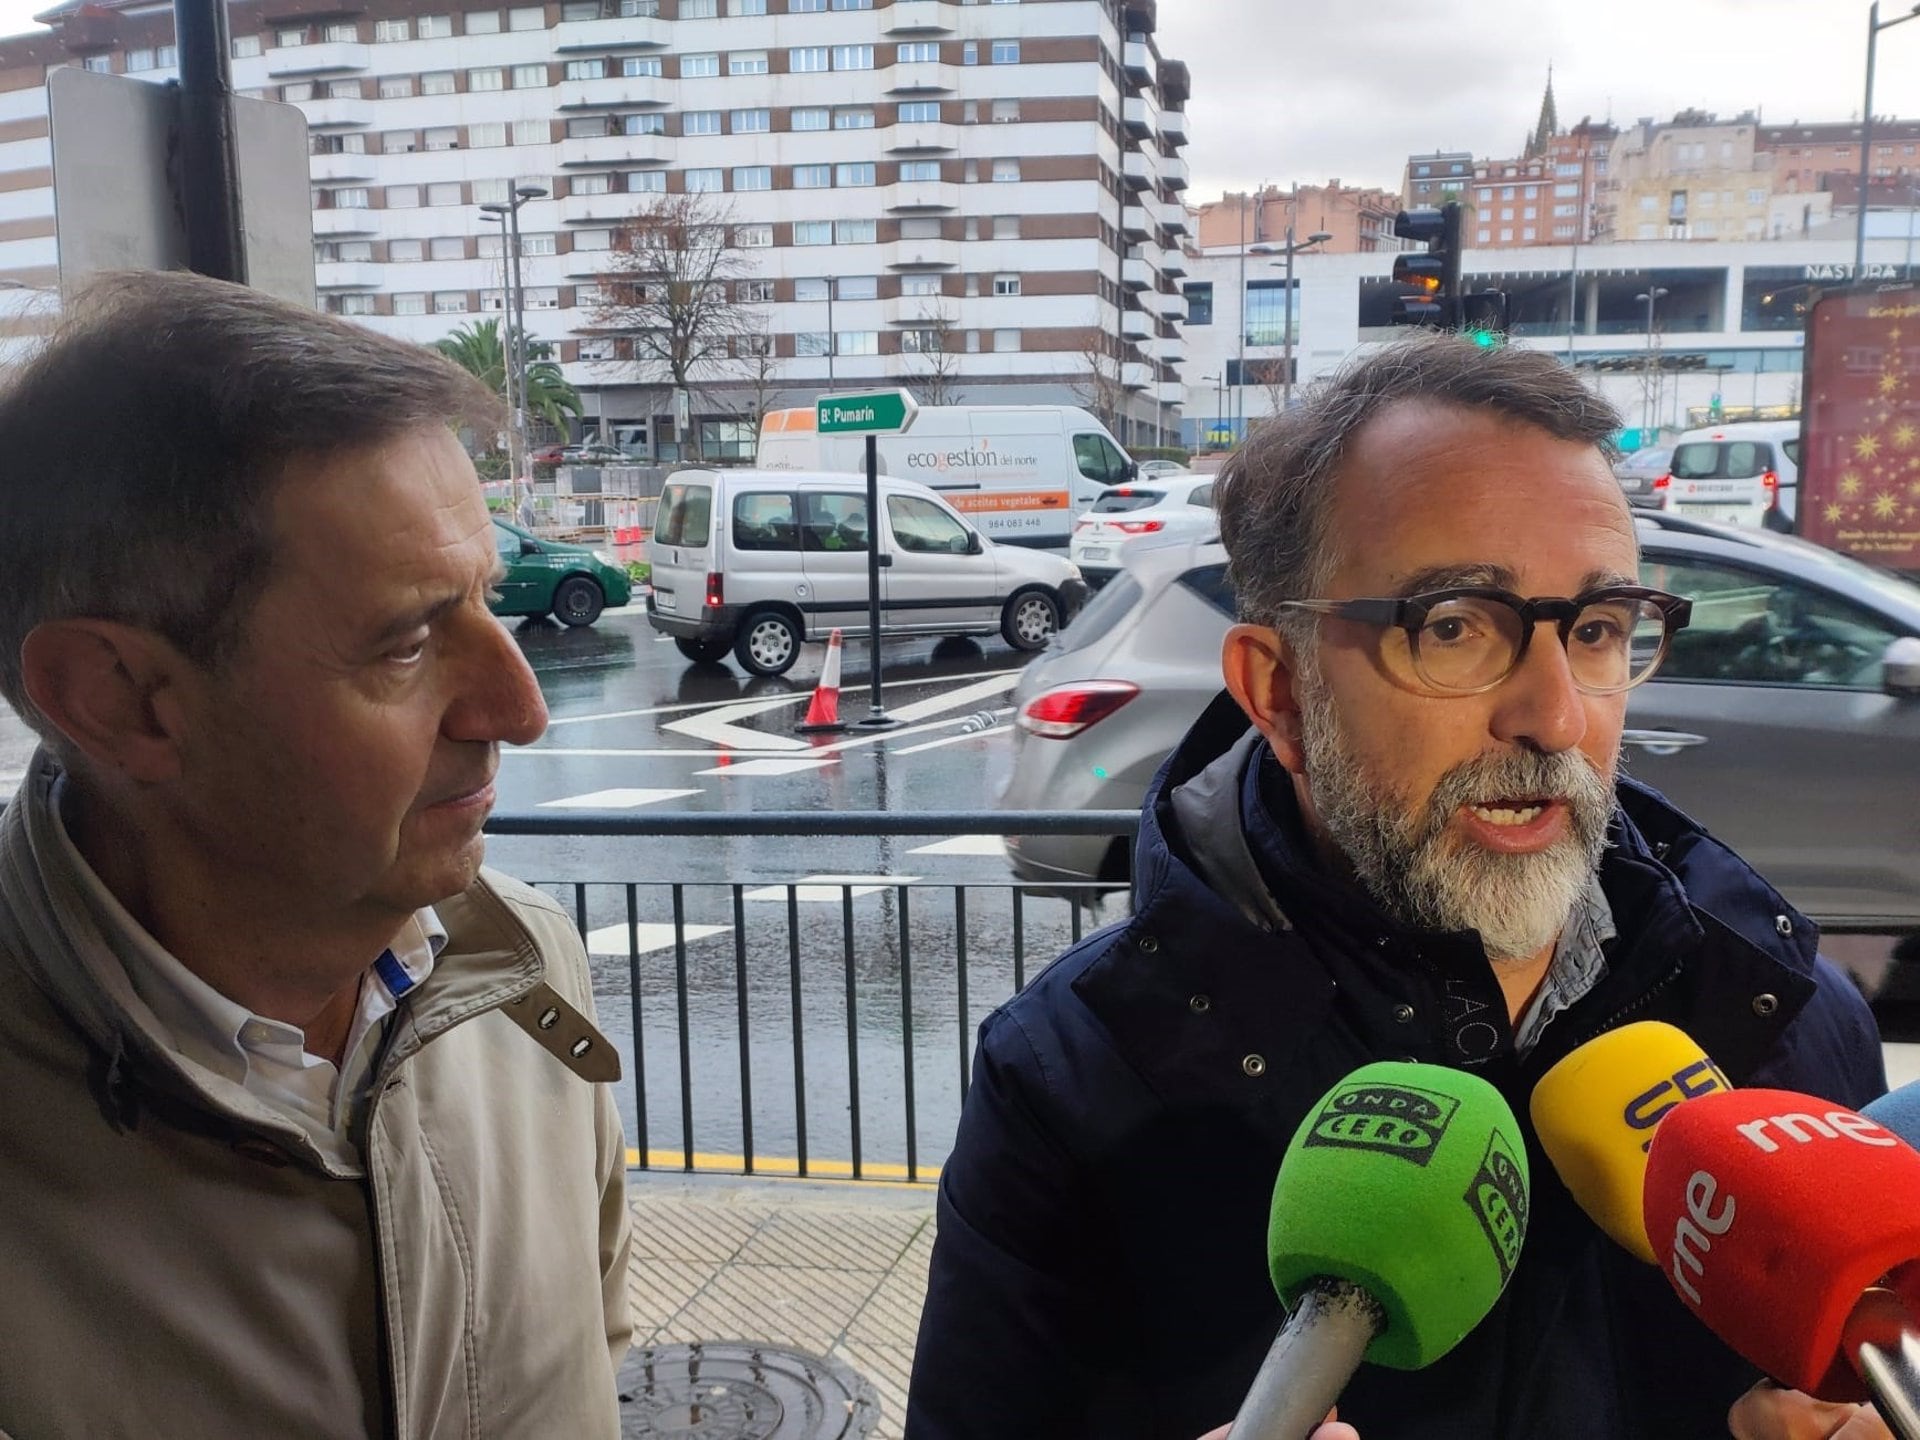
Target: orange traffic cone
x=823 y=712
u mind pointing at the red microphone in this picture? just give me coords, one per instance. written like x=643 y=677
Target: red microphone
x=1790 y=1225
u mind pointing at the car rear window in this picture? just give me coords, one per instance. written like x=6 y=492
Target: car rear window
x=1118 y=502
x=1109 y=605
x=1722 y=460
x=1209 y=582
x=685 y=516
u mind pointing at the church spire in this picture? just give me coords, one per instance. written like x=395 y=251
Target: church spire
x=1549 y=124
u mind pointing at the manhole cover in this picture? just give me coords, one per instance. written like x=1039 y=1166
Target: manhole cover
x=737 y=1390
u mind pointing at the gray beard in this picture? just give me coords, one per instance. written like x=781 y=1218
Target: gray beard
x=1428 y=879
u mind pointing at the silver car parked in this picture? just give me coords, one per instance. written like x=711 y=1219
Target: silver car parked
x=1786 y=718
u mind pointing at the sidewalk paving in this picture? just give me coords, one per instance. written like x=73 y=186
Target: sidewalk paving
x=836 y=1269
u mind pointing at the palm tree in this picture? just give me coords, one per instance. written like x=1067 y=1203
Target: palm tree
x=479 y=348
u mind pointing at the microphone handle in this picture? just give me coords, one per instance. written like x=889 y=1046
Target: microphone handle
x=1882 y=1343
x=1310 y=1362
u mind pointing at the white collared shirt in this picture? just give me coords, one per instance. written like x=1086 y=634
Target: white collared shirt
x=267 y=1058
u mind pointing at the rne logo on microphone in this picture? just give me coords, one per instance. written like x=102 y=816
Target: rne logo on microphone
x=1804 y=1129
x=1648 y=1109
x=1498 y=1199
x=1695 y=1231
x=1390 y=1119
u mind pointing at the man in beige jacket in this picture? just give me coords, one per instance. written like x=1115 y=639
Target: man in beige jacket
x=304 y=1124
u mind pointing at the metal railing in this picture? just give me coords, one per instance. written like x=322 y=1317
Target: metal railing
x=800 y=1026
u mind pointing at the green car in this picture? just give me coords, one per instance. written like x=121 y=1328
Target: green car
x=570 y=582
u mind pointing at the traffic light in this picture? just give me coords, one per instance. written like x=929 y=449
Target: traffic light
x=1430 y=282
x=1483 y=318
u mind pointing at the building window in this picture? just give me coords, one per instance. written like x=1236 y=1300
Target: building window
x=487 y=136
x=541 y=297
x=587 y=127
x=633 y=65
x=592 y=240
x=1527 y=234
x=288 y=39
x=811 y=344
x=812 y=177
x=591 y=185
x=853 y=57
x=650 y=124
x=399 y=197
x=1006 y=52
x=854 y=232
x=752 y=122
x=855 y=117
x=1199 y=303
x=805 y=59
x=402 y=252
x=445 y=193
x=919 y=285
x=245 y=47
x=752 y=237
x=447 y=247
x=1005 y=111
x=853 y=174
x=647 y=182
x=919 y=112
x=586 y=69
x=805 y=7
x=920 y=227
x=1006 y=227
x=753 y=292
x=450 y=302
x=356 y=304
x=747 y=7
x=916 y=171
x=1005 y=340
x=856 y=287
x=700 y=122
x=812 y=117
x=384 y=32
x=138 y=60
x=1485 y=237
x=1006 y=169
x=437 y=82
x=343 y=90
x=699 y=9
x=857 y=342
x=532 y=132
x=808 y=290
x=493 y=300
x=596 y=349
x=439 y=27
x=1506 y=236
x=970 y=53
x=399 y=142
x=443 y=137
x=1006 y=284
x=753 y=177
x=813 y=232
x=491 y=192
x=705 y=182
x=532 y=17
x=747 y=62
x=699 y=67
x=917 y=52
x=396 y=87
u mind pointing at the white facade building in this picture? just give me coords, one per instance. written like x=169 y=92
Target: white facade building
x=999 y=180
x=1730 y=323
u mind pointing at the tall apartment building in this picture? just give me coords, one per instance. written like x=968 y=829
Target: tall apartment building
x=1433 y=179
x=1695 y=177
x=1357 y=219
x=1825 y=156
x=986 y=192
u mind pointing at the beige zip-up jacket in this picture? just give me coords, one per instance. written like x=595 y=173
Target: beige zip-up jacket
x=178 y=1260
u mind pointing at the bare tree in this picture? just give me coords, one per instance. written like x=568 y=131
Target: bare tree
x=1101 y=384
x=760 y=388
x=668 y=296
x=939 y=356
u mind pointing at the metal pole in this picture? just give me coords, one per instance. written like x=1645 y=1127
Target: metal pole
x=1286 y=337
x=833 y=342
x=877 y=717
x=209 y=165
x=515 y=447
x=518 y=318
x=1866 y=143
x=1240 y=308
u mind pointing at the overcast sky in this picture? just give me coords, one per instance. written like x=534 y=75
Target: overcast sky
x=1308 y=90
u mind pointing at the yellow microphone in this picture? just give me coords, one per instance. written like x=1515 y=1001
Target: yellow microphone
x=1596 y=1111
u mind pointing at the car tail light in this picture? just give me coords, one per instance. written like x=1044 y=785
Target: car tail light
x=1080 y=525
x=1139 y=527
x=1068 y=709
x=1770 y=483
x=1662 y=488
x=716 y=588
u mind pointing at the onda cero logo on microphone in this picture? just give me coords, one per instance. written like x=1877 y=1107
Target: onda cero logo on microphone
x=1391 y=1119
x=1498 y=1199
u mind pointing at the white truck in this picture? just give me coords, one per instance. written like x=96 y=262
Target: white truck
x=1020 y=473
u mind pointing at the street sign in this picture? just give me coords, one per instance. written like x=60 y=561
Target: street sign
x=866 y=412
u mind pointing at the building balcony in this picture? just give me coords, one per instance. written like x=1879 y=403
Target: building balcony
x=1136 y=375
x=1170 y=392
x=618 y=92
x=1135 y=220
x=922 y=17
x=340 y=167
x=923 y=255
x=1173 y=261
x=348 y=220
x=921 y=76
x=909 y=195
x=610 y=209
x=583 y=264
x=1137 y=170
x=923 y=138
x=1174 y=172
x=330 y=114
x=346 y=274
x=1140 y=115
x=604 y=150
x=335 y=57
x=1136 y=324
x=920 y=311
x=1173 y=126
x=1173 y=219
x=1136 y=57
x=1167 y=349
x=1168 y=306
x=627 y=32
x=1136 y=274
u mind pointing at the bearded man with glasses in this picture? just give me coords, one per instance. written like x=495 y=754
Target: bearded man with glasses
x=1401 y=833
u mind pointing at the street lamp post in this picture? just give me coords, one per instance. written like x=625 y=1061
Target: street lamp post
x=1651 y=294
x=1874 y=27
x=1319 y=237
x=517 y=318
x=1219 y=392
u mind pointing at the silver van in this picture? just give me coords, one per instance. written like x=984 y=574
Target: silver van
x=757 y=562
x=1746 y=473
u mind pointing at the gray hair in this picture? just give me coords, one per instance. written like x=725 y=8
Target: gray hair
x=1275 y=493
x=145 y=439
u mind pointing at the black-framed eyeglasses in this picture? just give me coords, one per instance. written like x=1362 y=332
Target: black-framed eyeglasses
x=1467 y=639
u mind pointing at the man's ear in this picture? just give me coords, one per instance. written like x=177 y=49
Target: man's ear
x=114 y=691
x=1261 y=672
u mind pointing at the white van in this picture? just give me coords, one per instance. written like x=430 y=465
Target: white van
x=1022 y=473
x=1742 y=474
x=757 y=562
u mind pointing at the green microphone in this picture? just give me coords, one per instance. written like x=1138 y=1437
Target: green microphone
x=1397 y=1219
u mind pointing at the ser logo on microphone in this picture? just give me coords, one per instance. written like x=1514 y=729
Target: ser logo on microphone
x=1649 y=1108
x=1391 y=1119
x=1498 y=1198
